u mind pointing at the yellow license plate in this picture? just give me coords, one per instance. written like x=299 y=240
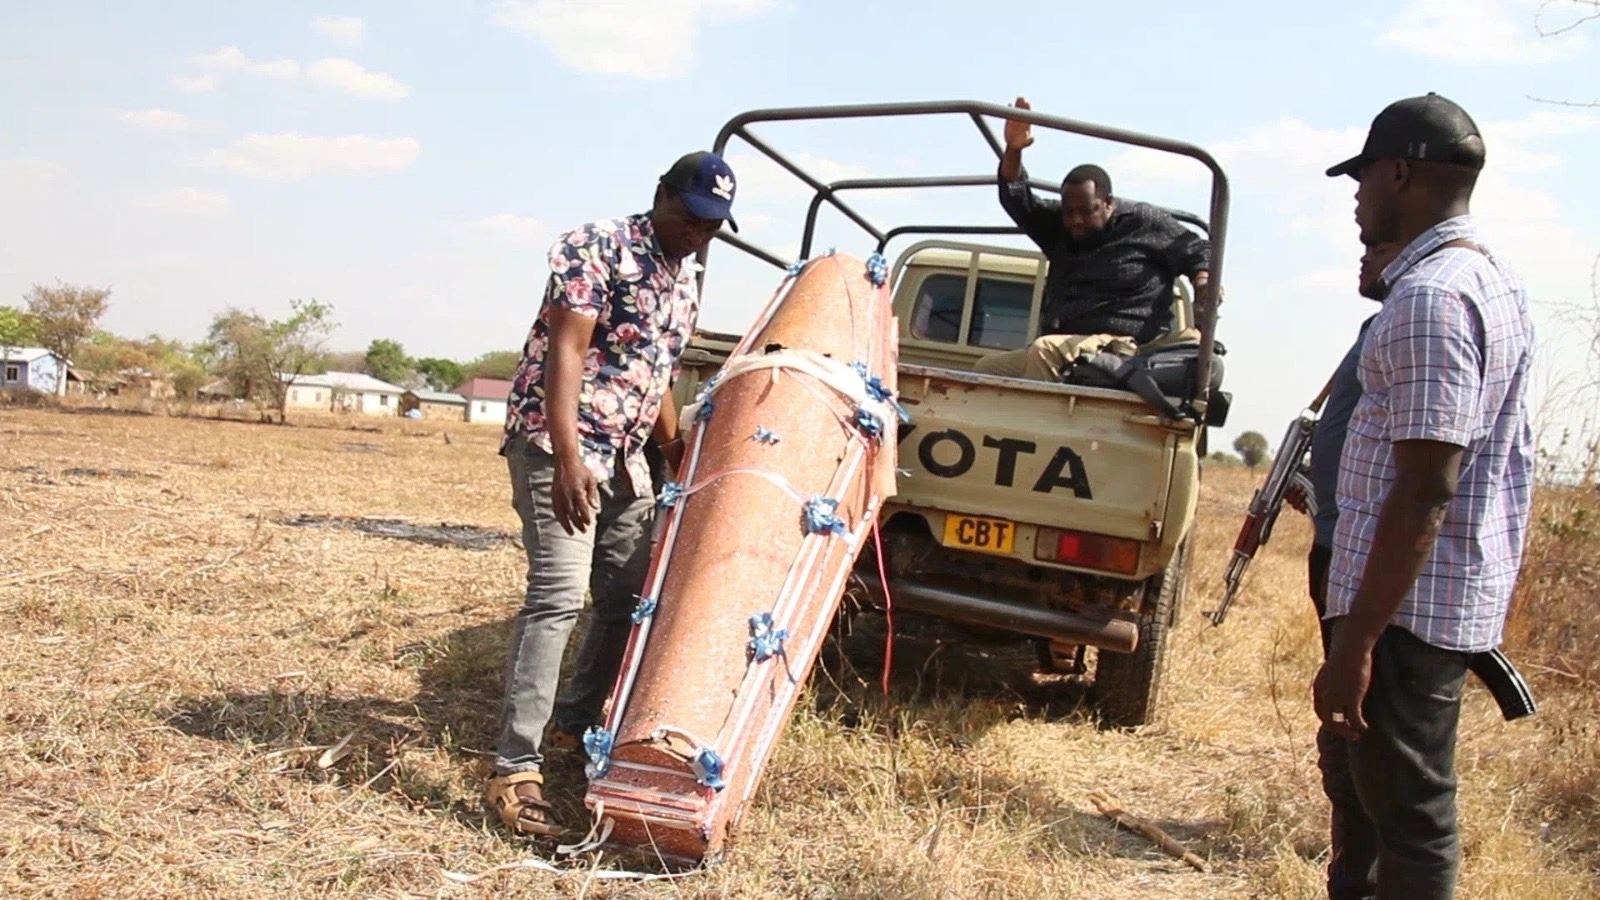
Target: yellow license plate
x=984 y=535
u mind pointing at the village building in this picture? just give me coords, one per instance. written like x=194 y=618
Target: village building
x=437 y=405
x=351 y=392
x=131 y=382
x=32 y=368
x=486 y=400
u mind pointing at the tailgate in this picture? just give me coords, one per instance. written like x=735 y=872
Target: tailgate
x=1028 y=454
x=1083 y=459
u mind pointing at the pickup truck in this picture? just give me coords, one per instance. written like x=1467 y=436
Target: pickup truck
x=1057 y=513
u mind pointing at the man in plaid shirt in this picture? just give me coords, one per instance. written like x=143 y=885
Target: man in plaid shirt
x=1434 y=490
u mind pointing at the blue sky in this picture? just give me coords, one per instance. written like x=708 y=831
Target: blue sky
x=409 y=162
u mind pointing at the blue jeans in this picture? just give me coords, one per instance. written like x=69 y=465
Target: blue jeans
x=610 y=562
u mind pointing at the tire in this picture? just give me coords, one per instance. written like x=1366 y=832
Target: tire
x=1128 y=686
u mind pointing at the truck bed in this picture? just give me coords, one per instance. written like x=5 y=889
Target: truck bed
x=986 y=461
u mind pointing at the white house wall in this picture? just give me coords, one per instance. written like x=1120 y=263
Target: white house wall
x=376 y=404
x=489 y=412
x=306 y=397
x=43 y=374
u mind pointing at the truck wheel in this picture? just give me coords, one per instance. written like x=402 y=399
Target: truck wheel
x=1127 y=686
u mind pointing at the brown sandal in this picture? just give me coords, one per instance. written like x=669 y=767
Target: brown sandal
x=512 y=803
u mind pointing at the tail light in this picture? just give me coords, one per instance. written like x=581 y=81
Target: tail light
x=1088 y=551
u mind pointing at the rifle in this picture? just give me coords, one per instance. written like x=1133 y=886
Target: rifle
x=1268 y=500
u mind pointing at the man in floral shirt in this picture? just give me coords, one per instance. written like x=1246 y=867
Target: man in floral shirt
x=593 y=387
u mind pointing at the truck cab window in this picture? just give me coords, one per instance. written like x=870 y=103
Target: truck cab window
x=937 y=316
x=999 y=311
x=1000 y=314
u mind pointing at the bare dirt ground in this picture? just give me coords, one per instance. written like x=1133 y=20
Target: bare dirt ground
x=182 y=651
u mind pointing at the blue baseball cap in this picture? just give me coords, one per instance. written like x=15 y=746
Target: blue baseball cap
x=706 y=185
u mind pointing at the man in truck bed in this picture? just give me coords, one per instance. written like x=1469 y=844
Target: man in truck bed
x=1112 y=266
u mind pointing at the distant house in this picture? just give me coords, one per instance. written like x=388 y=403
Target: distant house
x=344 y=392
x=435 y=405
x=486 y=400
x=33 y=368
x=216 y=391
x=134 y=381
x=309 y=392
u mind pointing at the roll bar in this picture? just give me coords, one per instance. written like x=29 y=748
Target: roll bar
x=1215 y=225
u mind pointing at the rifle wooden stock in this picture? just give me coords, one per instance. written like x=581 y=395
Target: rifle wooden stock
x=1264 y=507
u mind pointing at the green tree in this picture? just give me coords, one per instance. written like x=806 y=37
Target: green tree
x=262 y=358
x=1252 y=447
x=104 y=354
x=107 y=355
x=64 y=317
x=441 y=374
x=188 y=377
x=17 y=329
x=387 y=361
x=501 y=364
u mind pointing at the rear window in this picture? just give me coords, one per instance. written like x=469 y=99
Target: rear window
x=999 y=311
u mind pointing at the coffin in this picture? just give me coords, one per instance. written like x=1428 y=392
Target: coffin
x=790 y=455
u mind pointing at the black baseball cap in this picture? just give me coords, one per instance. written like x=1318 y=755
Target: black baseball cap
x=1428 y=128
x=705 y=182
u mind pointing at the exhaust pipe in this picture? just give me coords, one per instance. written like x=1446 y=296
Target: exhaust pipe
x=1117 y=635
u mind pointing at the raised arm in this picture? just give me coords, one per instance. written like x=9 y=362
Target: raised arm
x=1039 y=217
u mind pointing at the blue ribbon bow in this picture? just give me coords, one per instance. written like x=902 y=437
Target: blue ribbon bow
x=671 y=492
x=597 y=743
x=645 y=609
x=877 y=269
x=708 y=769
x=820 y=517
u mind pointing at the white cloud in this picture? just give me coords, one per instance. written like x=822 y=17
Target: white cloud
x=159 y=120
x=30 y=172
x=232 y=59
x=1476 y=32
x=292 y=157
x=1326 y=282
x=339 y=74
x=348 y=30
x=196 y=84
x=517 y=229
x=351 y=78
x=1520 y=145
x=191 y=202
x=1280 y=163
x=763 y=181
x=1284 y=161
x=651 y=39
x=755 y=221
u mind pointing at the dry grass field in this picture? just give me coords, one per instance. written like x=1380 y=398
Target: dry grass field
x=177 y=660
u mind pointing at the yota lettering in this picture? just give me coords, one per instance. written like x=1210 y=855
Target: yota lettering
x=950 y=453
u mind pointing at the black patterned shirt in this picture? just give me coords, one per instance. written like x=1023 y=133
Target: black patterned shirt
x=1119 y=281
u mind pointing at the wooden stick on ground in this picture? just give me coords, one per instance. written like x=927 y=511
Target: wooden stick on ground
x=25 y=577
x=1109 y=808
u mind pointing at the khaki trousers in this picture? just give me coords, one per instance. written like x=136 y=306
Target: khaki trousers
x=1047 y=357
